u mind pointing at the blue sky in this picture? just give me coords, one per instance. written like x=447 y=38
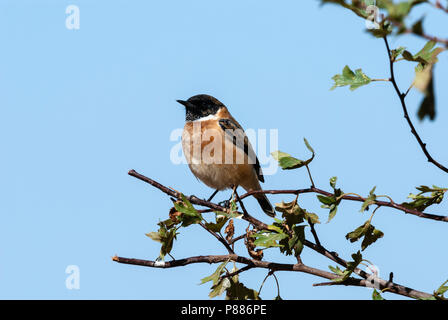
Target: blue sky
x=79 y=108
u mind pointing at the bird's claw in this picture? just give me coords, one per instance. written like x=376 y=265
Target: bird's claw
x=225 y=203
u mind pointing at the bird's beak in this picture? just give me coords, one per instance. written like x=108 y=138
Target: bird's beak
x=184 y=103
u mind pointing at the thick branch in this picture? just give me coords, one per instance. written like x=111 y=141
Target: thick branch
x=298 y=267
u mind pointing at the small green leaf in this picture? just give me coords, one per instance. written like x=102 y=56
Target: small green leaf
x=294 y=214
x=421 y=201
x=440 y=292
x=166 y=237
x=154 y=236
x=369 y=200
x=370 y=237
x=368 y=231
x=333 y=182
x=294 y=244
x=278 y=154
x=275 y=228
x=330 y=202
x=357 y=233
x=351 y=266
x=325 y=200
x=407 y=55
x=349 y=78
x=311 y=217
x=215 y=275
x=427 y=55
x=288 y=162
x=376 y=295
x=333 y=211
x=397 y=52
x=308 y=145
x=220 y=222
x=268 y=239
x=336 y=270
x=190 y=214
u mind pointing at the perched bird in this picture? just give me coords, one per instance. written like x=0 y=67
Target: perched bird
x=218 y=151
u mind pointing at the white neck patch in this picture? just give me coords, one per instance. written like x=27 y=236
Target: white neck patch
x=209 y=117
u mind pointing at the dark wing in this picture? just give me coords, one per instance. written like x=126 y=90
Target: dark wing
x=234 y=132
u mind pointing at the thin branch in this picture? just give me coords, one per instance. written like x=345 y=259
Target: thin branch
x=406 y=30
x=428 y=37
x=382 y=284
x=264 y=280
x=409 y=89
x=405 y=111
x=334 y=257
x=390 y=204
x=219 y=238
x=309 y=174
x=314 y=233
x=438 y=5
x=232 y=241
x=245 y=213
x=278 y=285
x=232 y=274
x=379 y=79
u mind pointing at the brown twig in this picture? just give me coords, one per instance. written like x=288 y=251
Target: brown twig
x=237 y=239
x=389 y=204
x=405 y=110
x=310 y=176
x=428 y=37
x=438 y=5
x=245 y=213
x=232 y=274
x=220 y=239
x=314 y=233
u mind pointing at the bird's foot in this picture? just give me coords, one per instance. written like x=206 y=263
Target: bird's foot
x=225 y=203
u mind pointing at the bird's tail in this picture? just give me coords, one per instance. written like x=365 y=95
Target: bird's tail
x=265 y=204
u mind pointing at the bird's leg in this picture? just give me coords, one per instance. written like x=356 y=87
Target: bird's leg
x=209 y=199
x=233 y=192
x=226 y=203
x=213 y=194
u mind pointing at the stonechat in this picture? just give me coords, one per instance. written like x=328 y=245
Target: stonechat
x=218 y=151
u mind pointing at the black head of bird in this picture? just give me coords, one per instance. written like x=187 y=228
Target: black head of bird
x=200 y=106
